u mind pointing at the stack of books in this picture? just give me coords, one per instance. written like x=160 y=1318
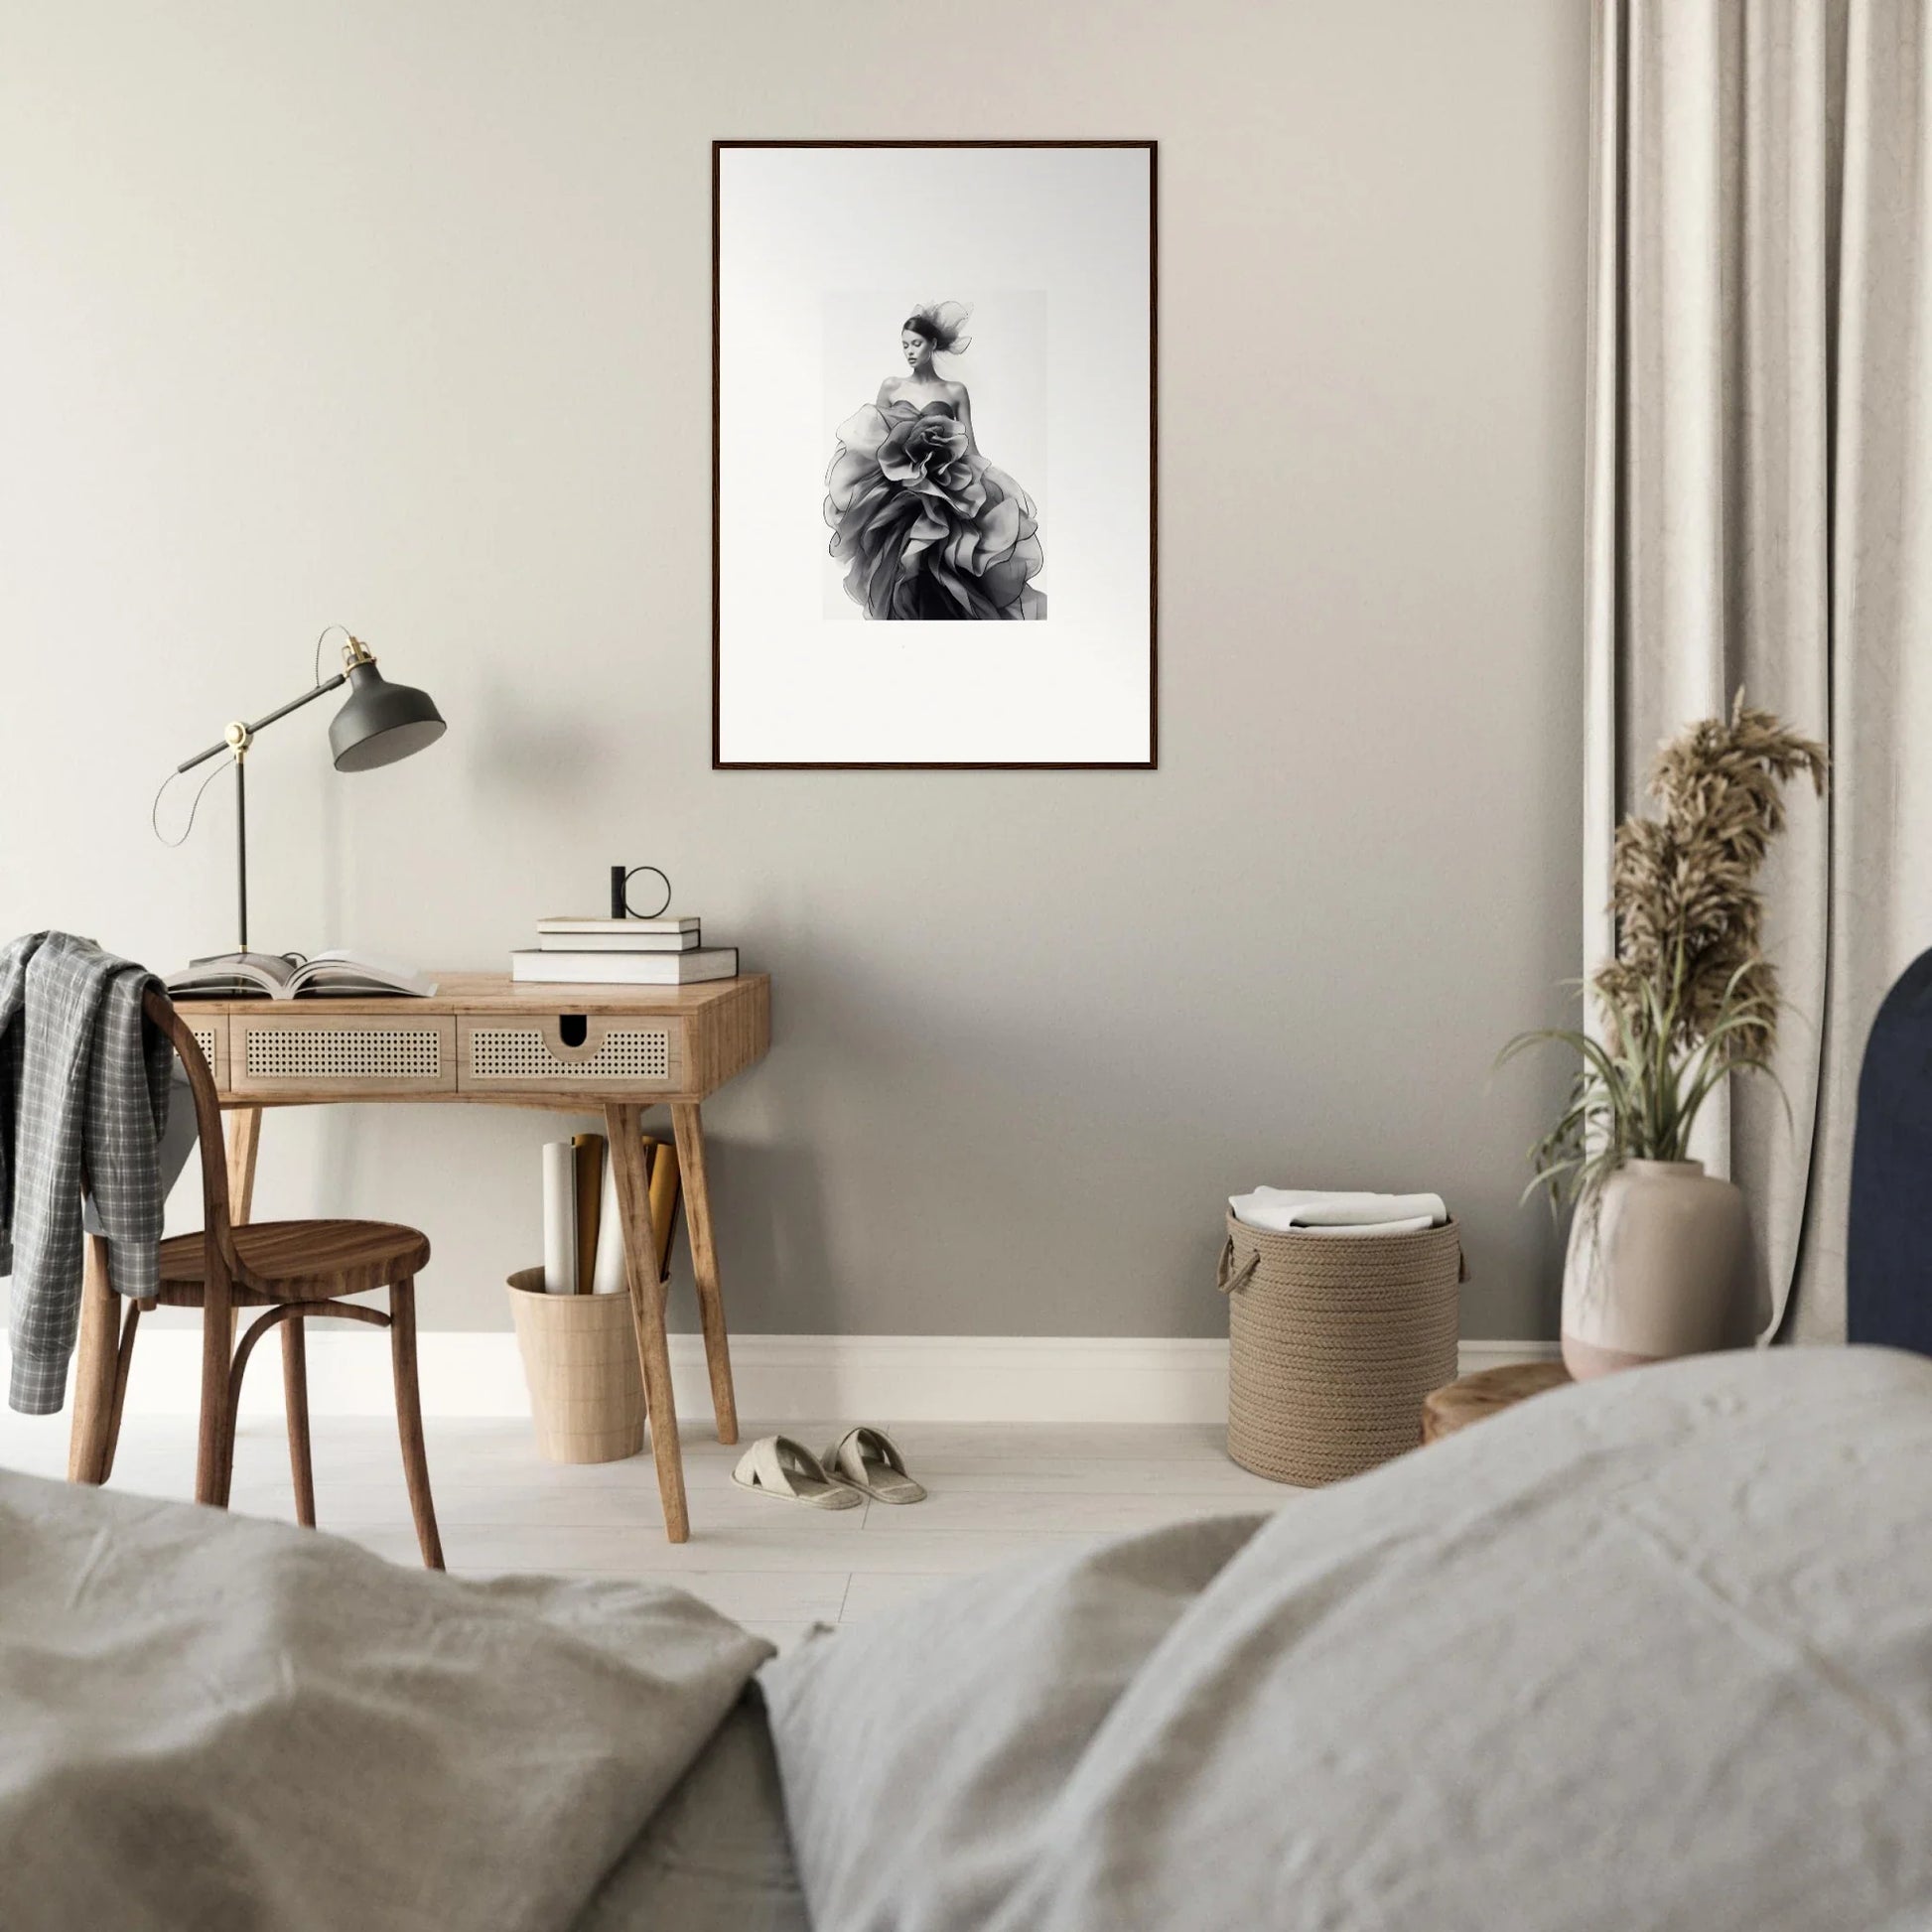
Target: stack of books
x=621 y=952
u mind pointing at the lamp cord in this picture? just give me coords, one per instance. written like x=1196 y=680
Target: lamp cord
x=154 y=810
x=315 y=674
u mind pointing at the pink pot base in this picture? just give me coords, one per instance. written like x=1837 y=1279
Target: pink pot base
x=1585 y=1359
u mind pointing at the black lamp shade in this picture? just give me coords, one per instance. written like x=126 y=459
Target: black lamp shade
x=381 y=722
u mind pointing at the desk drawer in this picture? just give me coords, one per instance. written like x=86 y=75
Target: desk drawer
x=319 y=1052
x=211 y=1031
x=561 y=1051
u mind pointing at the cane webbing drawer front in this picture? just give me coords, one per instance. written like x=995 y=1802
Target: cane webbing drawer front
x=559 y=1053
x=210 y=1033
x=284 y=1052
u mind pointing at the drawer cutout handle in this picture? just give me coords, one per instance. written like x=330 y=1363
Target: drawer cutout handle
x=572 y=1037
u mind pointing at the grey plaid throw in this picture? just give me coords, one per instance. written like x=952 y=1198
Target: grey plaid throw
x=84 y=1085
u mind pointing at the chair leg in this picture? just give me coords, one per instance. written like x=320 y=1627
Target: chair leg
x=295 y=1399
x=95 y=1369
x=409 y=1417
x=123 y=1362
x=215 y=1452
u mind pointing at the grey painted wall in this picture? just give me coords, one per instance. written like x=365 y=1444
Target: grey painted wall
x=401 y=316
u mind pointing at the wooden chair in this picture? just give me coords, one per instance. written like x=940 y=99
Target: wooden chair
x=292 y=1269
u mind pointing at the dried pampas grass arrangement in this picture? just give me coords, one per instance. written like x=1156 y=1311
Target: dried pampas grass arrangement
x=1689 y=996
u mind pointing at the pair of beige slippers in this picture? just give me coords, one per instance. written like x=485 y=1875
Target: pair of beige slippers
x=864 y=1462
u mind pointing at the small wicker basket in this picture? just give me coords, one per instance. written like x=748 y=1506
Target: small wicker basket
x=580 y=1359
x=1333 y=1341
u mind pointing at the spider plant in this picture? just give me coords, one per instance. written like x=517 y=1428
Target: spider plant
x=1690 y=998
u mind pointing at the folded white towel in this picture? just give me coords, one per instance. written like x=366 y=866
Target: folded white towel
x=1312 y=1211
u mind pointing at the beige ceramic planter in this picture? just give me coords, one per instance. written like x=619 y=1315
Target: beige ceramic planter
x=1654 y=1268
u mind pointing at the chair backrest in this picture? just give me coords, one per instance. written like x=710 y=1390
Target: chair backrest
x=218 y=1229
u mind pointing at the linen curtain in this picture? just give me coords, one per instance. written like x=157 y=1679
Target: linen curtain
x=1759 y=505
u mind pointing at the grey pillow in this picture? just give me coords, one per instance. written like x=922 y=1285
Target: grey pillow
x=716 y=1857
x=916 y=1751
x=1652 y=1651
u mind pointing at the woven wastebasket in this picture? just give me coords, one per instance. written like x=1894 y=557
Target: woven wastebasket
x=580 y=1359
x=1333 y=1341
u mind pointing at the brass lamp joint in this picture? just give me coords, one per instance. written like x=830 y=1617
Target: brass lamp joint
x=355 y=652
x=238 y=739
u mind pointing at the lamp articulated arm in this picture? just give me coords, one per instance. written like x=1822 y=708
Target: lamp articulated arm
x=236 y=740
x=238 y=737
x=379 y=724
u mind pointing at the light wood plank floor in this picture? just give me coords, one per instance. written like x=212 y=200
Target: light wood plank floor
x=998 y=1491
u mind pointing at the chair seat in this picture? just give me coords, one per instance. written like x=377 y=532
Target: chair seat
x=299 y=1261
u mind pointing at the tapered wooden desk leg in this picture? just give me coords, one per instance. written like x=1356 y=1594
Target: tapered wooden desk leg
x=123 y=1364
x=93 y=1368
x=688 y=1125
x=625 y=1124
x=244 y=1139
x=244 y=1125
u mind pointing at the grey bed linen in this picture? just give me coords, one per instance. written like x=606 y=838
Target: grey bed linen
x=1653 y=1652
x=214 y=1722
x=716 y=1857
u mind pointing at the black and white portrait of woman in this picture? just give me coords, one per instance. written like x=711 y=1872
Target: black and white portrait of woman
x=885 y=461
x=924 y=526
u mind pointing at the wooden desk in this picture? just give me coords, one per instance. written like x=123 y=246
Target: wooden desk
x=484 y=1041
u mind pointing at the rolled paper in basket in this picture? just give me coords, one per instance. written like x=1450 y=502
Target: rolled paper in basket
x=665 y=1183
x=559 y=1219
x=587 y=1155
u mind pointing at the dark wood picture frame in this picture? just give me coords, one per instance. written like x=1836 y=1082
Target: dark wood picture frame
x=1152 y=762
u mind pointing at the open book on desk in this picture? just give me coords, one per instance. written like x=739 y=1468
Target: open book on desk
x=289 y=976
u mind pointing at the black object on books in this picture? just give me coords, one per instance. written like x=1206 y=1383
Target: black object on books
x=536 y=966
x=620 y=879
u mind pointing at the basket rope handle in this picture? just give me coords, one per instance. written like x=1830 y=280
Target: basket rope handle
x=1228 y=1278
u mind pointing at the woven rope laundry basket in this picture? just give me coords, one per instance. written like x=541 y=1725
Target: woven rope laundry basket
x=1333 y=1341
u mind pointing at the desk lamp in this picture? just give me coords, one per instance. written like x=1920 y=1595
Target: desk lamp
x=379 y=724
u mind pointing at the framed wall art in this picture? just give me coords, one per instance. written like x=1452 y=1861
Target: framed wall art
x=933 y=453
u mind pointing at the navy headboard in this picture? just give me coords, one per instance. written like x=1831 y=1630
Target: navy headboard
x=1889 y=1244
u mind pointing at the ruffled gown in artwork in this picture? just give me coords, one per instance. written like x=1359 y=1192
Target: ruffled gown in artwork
x=926 y=527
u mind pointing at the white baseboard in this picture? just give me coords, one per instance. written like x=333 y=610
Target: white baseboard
x=778 y=1378
x=1474 y=1355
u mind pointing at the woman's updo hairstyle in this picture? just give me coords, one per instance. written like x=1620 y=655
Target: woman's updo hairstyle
x=940 y=322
